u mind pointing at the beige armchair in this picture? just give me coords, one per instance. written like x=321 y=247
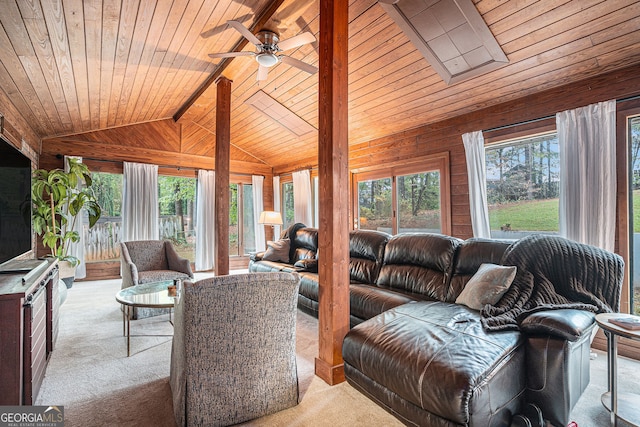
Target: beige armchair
x=234 y=348
x=146 y=261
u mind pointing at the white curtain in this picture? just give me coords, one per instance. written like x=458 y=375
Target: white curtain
x=316 y=202
x=302 y=197
x=140 y=202
x=477 y=177
x=205 y=220
x=276 y=203
x=77 y=249
x=587 y=138
x=257 y=183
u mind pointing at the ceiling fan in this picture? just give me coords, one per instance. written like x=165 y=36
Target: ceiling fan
x=268 y=47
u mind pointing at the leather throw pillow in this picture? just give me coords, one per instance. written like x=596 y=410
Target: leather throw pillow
x=487 y=286
x=277 y=251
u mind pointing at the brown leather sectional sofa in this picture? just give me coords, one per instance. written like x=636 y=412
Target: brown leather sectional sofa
x=429 y=361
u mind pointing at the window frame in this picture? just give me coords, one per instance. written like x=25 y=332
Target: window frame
x=436 y=162
x=240 y=181
x=519 y=133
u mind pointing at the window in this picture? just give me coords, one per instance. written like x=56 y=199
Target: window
x=101 y=241
x=176 y=199
x=633 y=136
x=419 y=202
x=316 y=201
x=374 y=205
x=404 y=199
x=523 y=177
x=287 y=204
x=241 y=231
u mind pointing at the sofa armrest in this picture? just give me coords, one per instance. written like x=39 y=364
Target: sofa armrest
x=176 y=262
x=568 y=324
x=256 y=256
x=308 y=264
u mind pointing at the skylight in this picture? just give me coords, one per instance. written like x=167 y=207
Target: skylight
x=450 y=34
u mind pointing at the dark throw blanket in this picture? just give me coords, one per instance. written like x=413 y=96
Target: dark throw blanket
x=554 y=272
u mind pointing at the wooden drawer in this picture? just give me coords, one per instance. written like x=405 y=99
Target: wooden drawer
x=35 y=344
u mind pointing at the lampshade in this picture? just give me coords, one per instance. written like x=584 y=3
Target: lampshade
x=270 y=218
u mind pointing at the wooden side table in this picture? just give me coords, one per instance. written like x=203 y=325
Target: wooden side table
x=623 y=406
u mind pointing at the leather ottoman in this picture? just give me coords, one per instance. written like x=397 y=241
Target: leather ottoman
x=432 y=364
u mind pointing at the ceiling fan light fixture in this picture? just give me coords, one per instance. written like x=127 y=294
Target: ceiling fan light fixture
x=266 y=59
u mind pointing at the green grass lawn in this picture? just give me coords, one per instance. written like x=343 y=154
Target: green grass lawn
x=540 y=215
x=636 y=211
x=535 y=215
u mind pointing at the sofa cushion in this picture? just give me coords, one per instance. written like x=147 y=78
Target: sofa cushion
x=469 y=256
x=487 y=286
x=366 y=251
x=419 y=263
x=304 y=244
x=308 y=264
x=277 y=251
x=437 y=358
x=309 y=285
x=367 y=301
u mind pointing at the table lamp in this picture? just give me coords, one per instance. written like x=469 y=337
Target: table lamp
x=271 y=218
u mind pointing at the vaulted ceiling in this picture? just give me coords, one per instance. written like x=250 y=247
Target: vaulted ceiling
x=73 y=67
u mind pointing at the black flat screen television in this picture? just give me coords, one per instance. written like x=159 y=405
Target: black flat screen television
x=15 y=202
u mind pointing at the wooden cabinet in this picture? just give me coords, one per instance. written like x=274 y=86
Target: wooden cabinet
x=29 y=305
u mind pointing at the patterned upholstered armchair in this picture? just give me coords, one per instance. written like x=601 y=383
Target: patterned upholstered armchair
x=234 y=348
x=146 y=261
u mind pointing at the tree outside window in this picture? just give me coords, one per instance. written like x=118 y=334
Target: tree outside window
x=176 y=199
x=287 y=205
x=523 y=186
x=101 y=241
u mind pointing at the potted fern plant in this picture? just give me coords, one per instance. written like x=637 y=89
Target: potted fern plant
x=59 y=198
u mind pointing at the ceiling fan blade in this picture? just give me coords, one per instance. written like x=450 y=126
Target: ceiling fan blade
x=296 y=41
x=262 y=73
x=217 y=30
x=245 y=32
x=230 y=54
x=299 y=64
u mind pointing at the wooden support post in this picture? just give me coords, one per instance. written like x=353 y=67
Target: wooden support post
x=223 y=156
x=333 y=170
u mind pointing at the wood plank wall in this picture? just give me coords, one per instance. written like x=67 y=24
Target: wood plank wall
x=15 y=129
x=159 y=142
x=431 y=139
x=447 y=134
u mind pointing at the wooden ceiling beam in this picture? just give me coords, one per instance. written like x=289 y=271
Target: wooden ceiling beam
x=128 y=153
x=261 y=20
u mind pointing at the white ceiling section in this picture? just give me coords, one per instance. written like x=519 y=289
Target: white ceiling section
x=450 y=34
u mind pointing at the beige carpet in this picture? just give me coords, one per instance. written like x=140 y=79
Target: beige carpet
x=90 y=375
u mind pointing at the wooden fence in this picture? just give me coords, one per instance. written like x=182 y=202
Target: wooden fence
x=101 y=241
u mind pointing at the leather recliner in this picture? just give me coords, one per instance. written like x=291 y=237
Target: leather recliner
x=402 y=305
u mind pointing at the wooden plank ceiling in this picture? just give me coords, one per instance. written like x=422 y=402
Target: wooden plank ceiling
x=76 y=67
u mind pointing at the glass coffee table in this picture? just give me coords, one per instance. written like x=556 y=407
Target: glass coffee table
x=148 y=295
